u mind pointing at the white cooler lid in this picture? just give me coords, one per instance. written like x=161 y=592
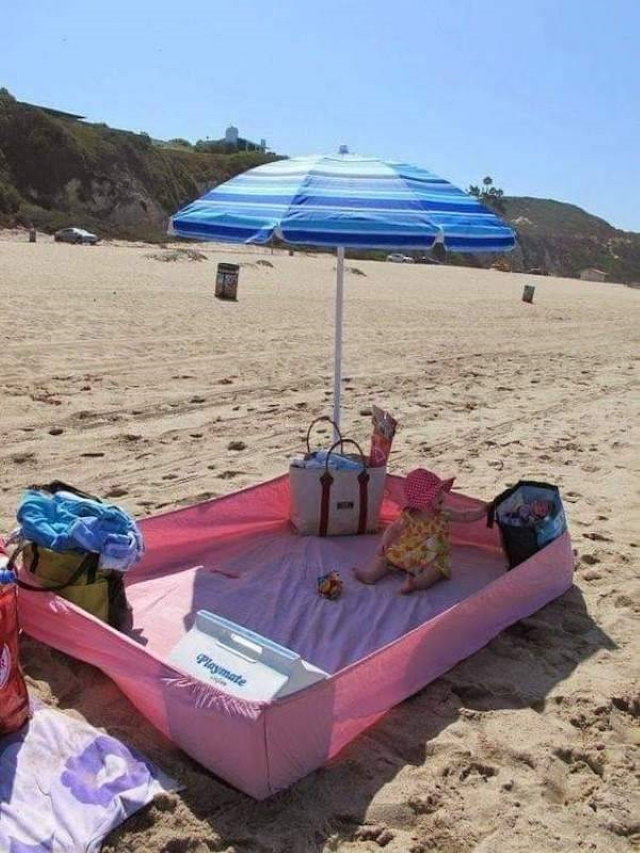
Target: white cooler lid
x=241 y=662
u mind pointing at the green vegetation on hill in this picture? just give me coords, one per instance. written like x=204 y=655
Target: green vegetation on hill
x=56 y=172
x=564 y=239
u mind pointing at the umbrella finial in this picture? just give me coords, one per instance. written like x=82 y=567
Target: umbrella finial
x=344 y=149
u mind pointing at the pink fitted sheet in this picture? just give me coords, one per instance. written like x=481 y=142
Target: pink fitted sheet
x=238 y=556
x=267 y=583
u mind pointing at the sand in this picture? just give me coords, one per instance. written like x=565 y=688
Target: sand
x=122 y=374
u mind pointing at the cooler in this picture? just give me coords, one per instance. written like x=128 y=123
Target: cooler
x=241 y=662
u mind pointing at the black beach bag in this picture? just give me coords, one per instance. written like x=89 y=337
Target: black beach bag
x=530 y=515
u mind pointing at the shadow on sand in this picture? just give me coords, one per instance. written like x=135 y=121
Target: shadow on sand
x=518 y=669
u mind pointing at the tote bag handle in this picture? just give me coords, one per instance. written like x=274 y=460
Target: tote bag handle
x=327 y=480
x=317 y=420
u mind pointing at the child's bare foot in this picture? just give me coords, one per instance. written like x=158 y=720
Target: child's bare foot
x=423 y=580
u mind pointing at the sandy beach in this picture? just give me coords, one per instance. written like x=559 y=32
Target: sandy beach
x=122 y=374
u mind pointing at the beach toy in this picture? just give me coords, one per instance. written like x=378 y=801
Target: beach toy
x=330 y=586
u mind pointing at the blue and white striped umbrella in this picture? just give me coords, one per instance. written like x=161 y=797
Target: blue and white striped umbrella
x=343 y=201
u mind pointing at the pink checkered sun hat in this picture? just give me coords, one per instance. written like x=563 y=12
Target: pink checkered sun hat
x=422 y=487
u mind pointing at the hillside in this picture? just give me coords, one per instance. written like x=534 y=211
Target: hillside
x=563 y=239
x=57 y=171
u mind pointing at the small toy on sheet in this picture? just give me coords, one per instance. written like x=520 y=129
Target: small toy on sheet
x=330 y=586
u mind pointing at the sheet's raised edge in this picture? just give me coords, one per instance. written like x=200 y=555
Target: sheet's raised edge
x=364 y=691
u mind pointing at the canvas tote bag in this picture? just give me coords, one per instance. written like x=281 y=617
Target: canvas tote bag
x=329 y=501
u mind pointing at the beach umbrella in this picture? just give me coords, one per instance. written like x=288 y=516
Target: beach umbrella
x=343 y=201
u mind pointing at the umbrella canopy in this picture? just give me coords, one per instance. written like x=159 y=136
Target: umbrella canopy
x=343 y=201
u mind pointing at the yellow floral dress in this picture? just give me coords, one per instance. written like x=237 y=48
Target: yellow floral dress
x=422 y=542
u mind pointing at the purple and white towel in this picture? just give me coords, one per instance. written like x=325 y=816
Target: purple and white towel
x=64 y=785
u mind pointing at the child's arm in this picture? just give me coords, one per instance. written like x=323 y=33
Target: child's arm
x=390 y=535
x=465 y=515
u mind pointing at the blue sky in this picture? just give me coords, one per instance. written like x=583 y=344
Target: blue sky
x=543 y=96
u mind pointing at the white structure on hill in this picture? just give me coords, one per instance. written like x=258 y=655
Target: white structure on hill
x=592 y=274
x=231 y=135
x=232 y=139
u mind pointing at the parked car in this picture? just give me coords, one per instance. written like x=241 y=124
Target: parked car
x=397 y=258
x=75 y=235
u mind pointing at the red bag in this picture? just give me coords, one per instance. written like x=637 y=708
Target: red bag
x=14 y=699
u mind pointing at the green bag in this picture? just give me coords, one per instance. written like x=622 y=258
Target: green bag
x=75 y=575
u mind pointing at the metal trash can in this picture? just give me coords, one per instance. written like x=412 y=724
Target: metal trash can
x=32 y=235
x=227 y=281
x=527 y=293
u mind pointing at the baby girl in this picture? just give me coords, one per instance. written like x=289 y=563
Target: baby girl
x=417 y=543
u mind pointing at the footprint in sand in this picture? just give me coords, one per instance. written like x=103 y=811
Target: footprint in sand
x=579 y=759
x=623 y=601
x=484 y=771
x=117 y=492
x=21 y=458
x=204 y=496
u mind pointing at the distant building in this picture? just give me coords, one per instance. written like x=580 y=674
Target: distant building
x=231 y=135
x=232 y=140
x=592 y=274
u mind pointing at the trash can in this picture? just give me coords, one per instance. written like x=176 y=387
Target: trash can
x=527 y=293
x=227 y=281
x=32 y=235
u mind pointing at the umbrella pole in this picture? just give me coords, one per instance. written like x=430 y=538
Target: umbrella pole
x=337 y=376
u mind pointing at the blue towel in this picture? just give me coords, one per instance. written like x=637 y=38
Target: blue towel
x=65 y=522
x=336 y=460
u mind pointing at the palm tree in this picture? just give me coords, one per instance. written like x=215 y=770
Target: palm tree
x=489 y=195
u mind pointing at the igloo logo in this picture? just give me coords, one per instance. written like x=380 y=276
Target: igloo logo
x=5 y=665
